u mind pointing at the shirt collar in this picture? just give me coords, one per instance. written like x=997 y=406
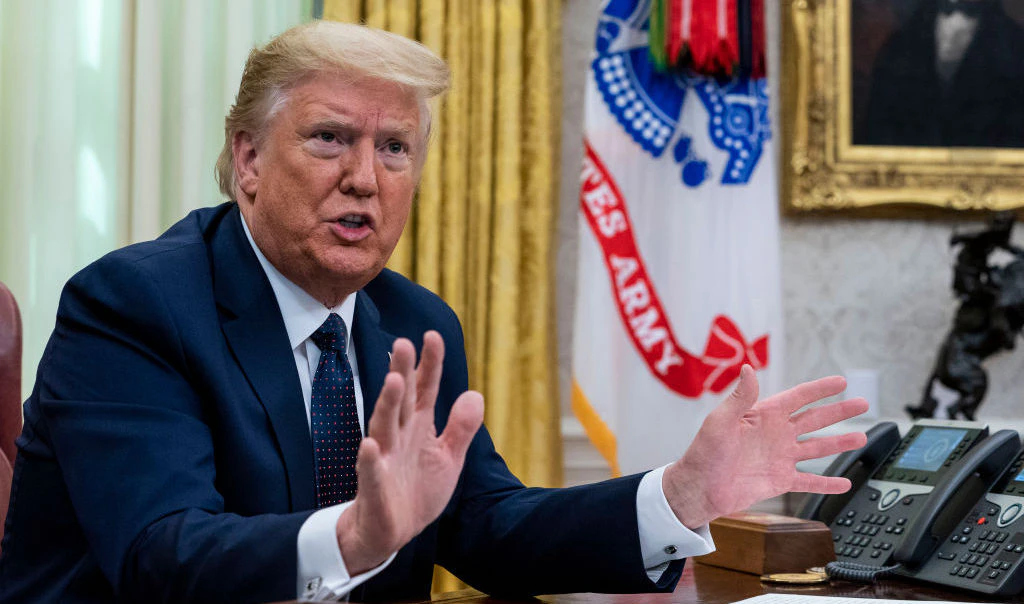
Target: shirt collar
x=302 y=313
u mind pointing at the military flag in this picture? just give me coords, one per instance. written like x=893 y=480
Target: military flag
x=678 y=274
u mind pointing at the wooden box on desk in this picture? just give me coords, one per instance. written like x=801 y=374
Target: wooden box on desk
x=768 y=543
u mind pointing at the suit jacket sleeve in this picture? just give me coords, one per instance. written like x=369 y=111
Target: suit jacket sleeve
x=133 y=441
x=504 y=538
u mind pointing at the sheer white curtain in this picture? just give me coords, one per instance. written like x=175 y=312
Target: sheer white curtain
x=188 y=59
x=111 y=117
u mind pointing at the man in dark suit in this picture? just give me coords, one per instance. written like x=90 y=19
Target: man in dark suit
x=951 y=76
x=233 y=412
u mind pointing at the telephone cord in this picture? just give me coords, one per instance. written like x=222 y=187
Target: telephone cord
x=863 y=573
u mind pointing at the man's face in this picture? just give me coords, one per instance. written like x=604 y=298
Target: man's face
x=330 y=186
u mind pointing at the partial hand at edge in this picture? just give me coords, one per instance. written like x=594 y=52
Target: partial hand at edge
x=407 y=473
x=746 y=450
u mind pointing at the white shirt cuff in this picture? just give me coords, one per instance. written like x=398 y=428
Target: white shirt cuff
x=322 y=575
x=662 y=537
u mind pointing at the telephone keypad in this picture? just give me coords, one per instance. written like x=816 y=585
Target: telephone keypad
x=858 y=540
x=991 y=556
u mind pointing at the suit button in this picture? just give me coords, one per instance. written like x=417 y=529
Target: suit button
x=670 y=549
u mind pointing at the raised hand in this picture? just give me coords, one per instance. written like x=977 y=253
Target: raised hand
x=407 y=473
x=746 y=450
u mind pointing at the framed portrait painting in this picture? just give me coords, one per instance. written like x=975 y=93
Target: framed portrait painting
x=896 y=105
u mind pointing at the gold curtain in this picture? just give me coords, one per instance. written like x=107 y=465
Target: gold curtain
x=481 y=230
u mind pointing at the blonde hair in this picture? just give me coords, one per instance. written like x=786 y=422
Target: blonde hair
x=273 y=69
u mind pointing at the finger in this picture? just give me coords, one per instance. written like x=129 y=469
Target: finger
x=745 y=394
x=812 y=483
x=464 y=421
x=383 y=424
x=804 y=394
x=369 y=460
x=817 y=418
x=403 y=362
x=813 y=448
x=428 y=374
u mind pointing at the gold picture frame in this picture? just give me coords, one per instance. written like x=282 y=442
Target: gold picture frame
x=824 y=171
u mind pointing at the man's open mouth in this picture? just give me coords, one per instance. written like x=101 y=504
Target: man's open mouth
x=353 y=221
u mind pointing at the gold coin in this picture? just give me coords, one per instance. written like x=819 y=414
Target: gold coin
x=795 y=578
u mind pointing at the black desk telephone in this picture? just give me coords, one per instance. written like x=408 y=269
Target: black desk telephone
x=913 y=501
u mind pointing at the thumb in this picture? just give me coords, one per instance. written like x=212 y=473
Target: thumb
x=465 y=419
x=745 y=394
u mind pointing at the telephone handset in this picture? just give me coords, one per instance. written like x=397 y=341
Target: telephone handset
x=984 y=549
x=856 y=465
x=877 y=518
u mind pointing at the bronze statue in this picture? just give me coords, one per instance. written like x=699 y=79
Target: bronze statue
x=990 y=316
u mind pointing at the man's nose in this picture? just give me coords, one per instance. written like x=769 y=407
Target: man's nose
x=359 y=174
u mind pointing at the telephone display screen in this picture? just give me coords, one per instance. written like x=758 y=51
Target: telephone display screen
x=1020 y=477
x=931 y=447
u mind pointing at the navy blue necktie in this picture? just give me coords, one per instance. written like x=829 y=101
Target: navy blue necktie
x=333 y=417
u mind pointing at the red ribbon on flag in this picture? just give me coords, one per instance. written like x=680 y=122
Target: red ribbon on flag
x=640 y=307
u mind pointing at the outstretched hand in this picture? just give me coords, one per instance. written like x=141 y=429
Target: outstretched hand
x=407 y=473
x=746 y=450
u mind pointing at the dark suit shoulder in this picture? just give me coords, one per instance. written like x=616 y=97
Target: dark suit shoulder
x=405 y=305
x=150 y=293
x=175 y=267
x=177 y=243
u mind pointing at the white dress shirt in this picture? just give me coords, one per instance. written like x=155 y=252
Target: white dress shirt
x=322 y=575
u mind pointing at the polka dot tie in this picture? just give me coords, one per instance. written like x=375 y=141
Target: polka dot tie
x=334 y=419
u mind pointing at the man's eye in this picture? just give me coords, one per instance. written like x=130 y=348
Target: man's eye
x=396 y=147
x=326 y=137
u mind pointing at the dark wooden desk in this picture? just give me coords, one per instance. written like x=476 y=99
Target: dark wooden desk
x=709 y=585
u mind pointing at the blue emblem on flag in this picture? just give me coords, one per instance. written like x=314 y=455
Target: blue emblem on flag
x=648 y=104
x=739 y=123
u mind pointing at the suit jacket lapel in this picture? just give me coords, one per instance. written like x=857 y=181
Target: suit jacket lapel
x=254 y=329
x=373 y=347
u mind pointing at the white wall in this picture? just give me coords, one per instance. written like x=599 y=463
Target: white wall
x=858 y=293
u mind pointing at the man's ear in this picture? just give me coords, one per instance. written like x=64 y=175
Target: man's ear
x=247 y=172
